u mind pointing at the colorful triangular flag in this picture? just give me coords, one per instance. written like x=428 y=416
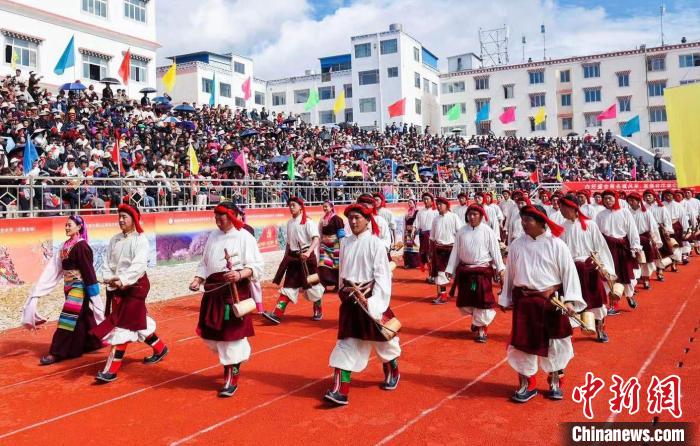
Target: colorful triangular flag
x=398 y=108
x=610 y=113
x=507 y=116
x=313 y=100
x=170 y=77
x=125 y=67
x=67 y=58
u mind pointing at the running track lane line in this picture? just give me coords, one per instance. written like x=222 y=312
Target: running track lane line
x=136 y=392
x=659 y=344
x=430 y=410
x=291 y=392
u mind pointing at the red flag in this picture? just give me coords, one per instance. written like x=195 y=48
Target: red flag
x=246 y=89
x=241 y=161
x=534 y=178
x=508 y=115
x=398 y=108
x=125 y=67
x=116 y=156
x=610 y=113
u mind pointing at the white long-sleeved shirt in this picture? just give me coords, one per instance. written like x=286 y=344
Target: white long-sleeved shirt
x=362 y=259
x=514 y=226
x=582 y=243
x=538 y=264
x=646 y=222
x=619 y=224
x=661 y=216
x=475 y=246
x=445 y=228
x=424 y=219
x=692 y=209
x=590 y=210
x=241 y=247
x=126 y=258
x=495 y=218
x=384 y=231
x=677 y=212
x=300 y=236
x=461 y=212
x=388 y=216
x=508 y=207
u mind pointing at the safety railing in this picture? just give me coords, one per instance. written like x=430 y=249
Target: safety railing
x=50 y=196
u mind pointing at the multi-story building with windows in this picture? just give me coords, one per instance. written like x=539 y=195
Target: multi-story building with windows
x=573 y=92
x=35 y=34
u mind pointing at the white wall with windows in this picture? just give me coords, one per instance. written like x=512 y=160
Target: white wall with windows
x=35 y=34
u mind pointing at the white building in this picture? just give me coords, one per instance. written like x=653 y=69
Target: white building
x=39 y=31
x=574 y=91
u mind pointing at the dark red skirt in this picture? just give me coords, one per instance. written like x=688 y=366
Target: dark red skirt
x=439 y=259
x=355 y=323
x=474 y=287
x=622 y=258
x=411 y=260
x=424 y=249
x=678 y=232
x=328 y=276
x=294 y=273
x=665 y=250
x=592 y=284
x=651 y=252
x=213 y=324
x=536 y=321
x=125 y=308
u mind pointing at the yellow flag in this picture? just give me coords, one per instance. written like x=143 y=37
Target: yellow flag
x=169 y=78
x=415 y=171
x=540 y=116
x=194 y=162
x=339 y=104
x=14 y=59
x=683 y=110
x=465 y=179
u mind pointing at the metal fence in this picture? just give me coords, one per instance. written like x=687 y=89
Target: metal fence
x=51 y=196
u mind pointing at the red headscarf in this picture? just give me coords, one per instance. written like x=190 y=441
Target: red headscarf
x=532 y=211
x=488 y=197
x=616 y=206
x=667 y=191
x=381 y=197
x=222 y=209
x=369 y=200
x=675 y=195
x=655 y=195
x=574 y=205
x=365 y=212
x=133 y=213
x=636 y=196
x=519 y=195
x=432 y=197
x=444 y=201
x=479 y=209
x=300 y=202
x=586 y=193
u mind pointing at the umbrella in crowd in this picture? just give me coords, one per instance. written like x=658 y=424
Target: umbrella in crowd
x=248 y=132
x=109 y=81
x=171 y=120
x=147 y=90
x=73 y=86
x=161 y=100
x=184 y=108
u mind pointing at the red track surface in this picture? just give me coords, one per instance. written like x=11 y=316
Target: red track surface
x=452 y=390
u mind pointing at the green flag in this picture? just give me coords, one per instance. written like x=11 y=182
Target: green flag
x=454 y=113
x=290 y=168
x=312 y=101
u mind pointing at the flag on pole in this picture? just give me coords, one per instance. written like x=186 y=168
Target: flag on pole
x=331 y=168
x=67 y=58
x=540 y=116
x=683 y=109
x=398 y=108
x=291 y=171
x=363 y=169
x=246 y=89
x=507 y=116
x=170 y=77
x=194 y=162
x=339 y=104
x=313 y=100
x=534 y=177
x=116 y=155
x=454 y=113
x=212 y=98
x=415 y=171
x=630 y=127
x=559 y=179
x=633 y=173
x=610 y=113
x=465 y=179
x=125 y=67
x=483 y=113
x=241 y=161
x=14 y=59
x=30 y=156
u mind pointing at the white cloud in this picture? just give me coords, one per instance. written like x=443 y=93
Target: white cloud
x=284 y=40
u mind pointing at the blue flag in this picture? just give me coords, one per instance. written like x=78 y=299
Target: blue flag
x=30 y=156
x=331 y=169
x=9 y=144
x=630 y=127
x=483 y=113
x=67 y=58
x=212 y=98
x=609 y=174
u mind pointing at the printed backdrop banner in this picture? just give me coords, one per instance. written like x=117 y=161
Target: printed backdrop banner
x=631 y=186
x=27 y=244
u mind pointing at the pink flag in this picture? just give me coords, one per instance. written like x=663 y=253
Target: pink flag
x=363 y=166
x=246 y=89
x=241 y=161
x=508 y=115
x=634 y=172
x=610 y=113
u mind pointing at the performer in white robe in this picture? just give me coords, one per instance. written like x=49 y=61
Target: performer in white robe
x=387 y=215
x=649 y=236
x=507 y=205
x=620 y=232
x=515 y=227
x=124 y=273
x=654 y=205
x=442 y=239
x=461 y=209
x=679 y=223
x=585 y=240
x=540 y=265
x=365 y=296
x=475 y=256
x=496 y=217
x=298 y=264
x=423 y=223
x=587 y=208
x=231 y=258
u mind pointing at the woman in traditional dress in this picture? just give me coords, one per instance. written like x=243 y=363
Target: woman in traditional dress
x=411 y=242
x=332 y=230
x=83 y=308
